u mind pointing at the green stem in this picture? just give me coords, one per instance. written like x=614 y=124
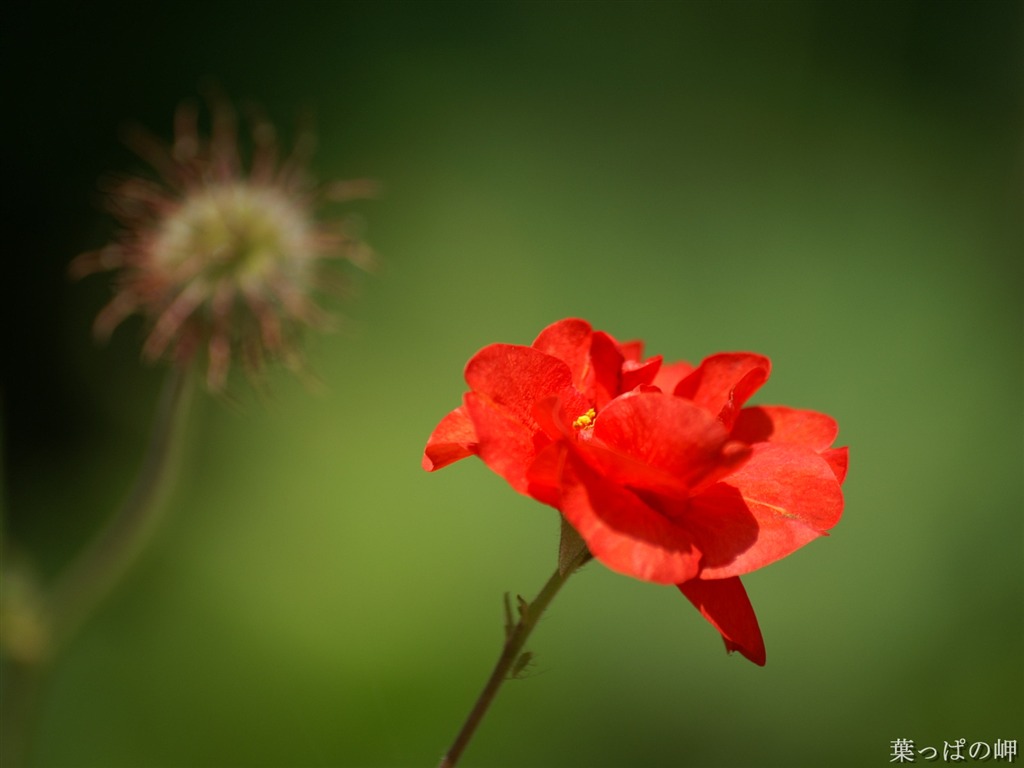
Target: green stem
x=515 y=640
x=101 y=565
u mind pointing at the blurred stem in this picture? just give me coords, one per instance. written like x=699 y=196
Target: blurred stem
x=99 y=567
x=89 y=578
x=515 y=639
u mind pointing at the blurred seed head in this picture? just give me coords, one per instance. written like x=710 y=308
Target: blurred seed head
x=222 y=257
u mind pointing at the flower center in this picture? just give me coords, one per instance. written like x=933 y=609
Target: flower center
x=235 y=231
x=586 y=420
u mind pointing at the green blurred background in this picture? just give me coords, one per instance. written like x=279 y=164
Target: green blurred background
x=836 y=185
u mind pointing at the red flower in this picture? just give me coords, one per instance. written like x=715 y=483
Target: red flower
x=659 y=468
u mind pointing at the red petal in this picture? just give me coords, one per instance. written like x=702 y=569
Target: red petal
x=603 y=381
x=569 y=341
x=453 y=439
x=545 y=473
x=778 y=424
x=632 y=351
x=621 y=531
x=725 y=604
x=593 y=357
x=671 y=374
x=782 y=498
x=636 y=374
x=515 y=377
x=659 y=443
x=838 y=459
x=504 y=442
x=722 y=383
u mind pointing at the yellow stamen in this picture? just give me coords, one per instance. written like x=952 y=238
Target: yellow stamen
x=586 y=420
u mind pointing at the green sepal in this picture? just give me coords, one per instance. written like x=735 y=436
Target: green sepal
x=572 y=550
